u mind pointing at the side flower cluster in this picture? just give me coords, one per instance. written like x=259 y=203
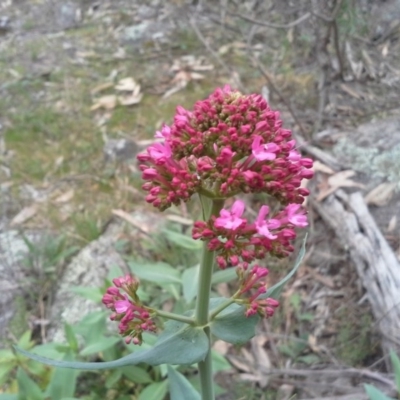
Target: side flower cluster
x=236 y=241
x=133 y=317
x=229 y=143
x=252 y=285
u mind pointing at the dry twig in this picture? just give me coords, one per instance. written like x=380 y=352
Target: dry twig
x=272 y=25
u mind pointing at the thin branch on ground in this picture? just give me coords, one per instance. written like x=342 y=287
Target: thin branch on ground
x=272 y=25
x=375 y=376
x=216 y=56
x=275 y=89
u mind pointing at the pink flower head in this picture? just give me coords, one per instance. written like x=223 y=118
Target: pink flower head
x=229 y=143
x=231 y=219
x=165 y=132
x=294 y=217
x=263 y=152
x=159 y=152
x=132 y=315
x=122 y=306
x=263 y=225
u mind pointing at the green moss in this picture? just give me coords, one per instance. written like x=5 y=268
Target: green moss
x=353 y=344
x=19 y=323
x=385 y=164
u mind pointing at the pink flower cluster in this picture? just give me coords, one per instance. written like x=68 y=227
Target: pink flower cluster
x=133 y=317
x=238 y=242
x=229 y=143
x=252 y=282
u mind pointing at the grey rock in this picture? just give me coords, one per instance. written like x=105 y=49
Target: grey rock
x=13 y=250
x=120 y=150
x=135 y=32
x=89 y=269
x=67 y=15
x=5 y=24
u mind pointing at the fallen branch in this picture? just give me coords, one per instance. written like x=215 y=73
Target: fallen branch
x=376 y=264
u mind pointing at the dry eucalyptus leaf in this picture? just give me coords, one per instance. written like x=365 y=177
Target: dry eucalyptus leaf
x=127 y=85
x=176 y=88
x=128 y=218
x=240 y=364
x=320 y=167
x=107 y=102
x=336 y=181
x=392 y=224
x=221 y=347
x=25 y=214
x=65 y=197
x=130 y=100
x=195 y=76
x=263 y=362
x=101 y=87
x=381 y=195
x=285 y=392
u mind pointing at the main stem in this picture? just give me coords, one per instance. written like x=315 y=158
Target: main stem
x=202 y=308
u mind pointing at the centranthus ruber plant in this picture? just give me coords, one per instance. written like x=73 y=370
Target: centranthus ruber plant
x=228 y=146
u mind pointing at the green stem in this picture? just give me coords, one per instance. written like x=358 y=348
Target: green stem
x=202 y=307
x=220 y=308
x=176 y=317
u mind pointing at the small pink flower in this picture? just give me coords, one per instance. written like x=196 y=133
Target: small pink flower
x=149 y=173
x=299 y=219
x=165 y=133
x=159 y=152
x=294 y=155
x=263 y=152
x=122 y=306
x=263 y=226
x=231 y=219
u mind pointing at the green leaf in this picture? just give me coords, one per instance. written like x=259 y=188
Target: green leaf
x=155 y=391
x=115 y=272
x=180 y=388
x=28 y=389
x=35 y=368
x=376 y=394
x=158 y=272
x=184 y=241
x=396 y=368
x=308 y=359
x=190 y=279
x=231 y=325
x=71 y=338
x=178 y=344
x=51 y=350
x=91 y=293
x=136 y=374
x=276 y=290
x=6 y=356
x=25 y=341
x=224 y=275
x=5 y=369
x=287 y=351
x=92 y=327
x=8 y=397
x=219 y=362
x=113 y=378
x=100 y=345
x=63 y=383
x=206 y=206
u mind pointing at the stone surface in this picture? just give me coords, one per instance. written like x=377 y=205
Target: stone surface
x=373 y=150
x=119 y=150
x=13 y=250
x=89 y=269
